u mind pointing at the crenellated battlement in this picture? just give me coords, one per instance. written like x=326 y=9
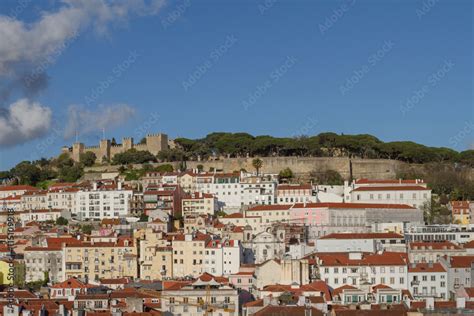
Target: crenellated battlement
x=154 y=144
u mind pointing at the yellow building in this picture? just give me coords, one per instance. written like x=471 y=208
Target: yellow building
x=92 y=261
x=461 y=212
x=156 y=256
x=188 y=254
x=18 y=273
x=199 y=203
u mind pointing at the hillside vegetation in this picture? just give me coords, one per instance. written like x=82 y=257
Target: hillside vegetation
x=322 y=145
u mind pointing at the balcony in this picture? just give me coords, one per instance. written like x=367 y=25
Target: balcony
x=415 y=282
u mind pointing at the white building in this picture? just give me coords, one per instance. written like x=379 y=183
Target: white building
x=411 y=192
x=428 y=280
x=460 y=272
x=40 y=215
x=222 y=257
x=358 y=269
x=361 y=242
x=234 y=190
x=294 y=193
x=108 y=201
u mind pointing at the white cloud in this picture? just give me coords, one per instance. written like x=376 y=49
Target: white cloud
x=22 y=121
x=30 y=43
x=85 y=121
x=27 y=48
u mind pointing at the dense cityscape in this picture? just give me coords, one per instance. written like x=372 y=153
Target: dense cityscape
x=236 y=158
x=220 y=242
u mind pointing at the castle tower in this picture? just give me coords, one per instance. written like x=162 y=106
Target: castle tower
x=77 y=150
x=156 y=143
x=127 y=143
x=104 y=150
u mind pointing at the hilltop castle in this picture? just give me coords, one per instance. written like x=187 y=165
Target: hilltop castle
x=106 y=150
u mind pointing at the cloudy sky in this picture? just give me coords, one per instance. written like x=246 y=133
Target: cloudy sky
x=400 y=70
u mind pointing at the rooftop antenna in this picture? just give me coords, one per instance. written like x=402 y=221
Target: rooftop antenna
x=103 y=132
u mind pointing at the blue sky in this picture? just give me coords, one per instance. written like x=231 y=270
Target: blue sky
x=400 y=70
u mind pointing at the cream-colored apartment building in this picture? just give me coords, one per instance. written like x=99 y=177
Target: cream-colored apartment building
x=91 y=261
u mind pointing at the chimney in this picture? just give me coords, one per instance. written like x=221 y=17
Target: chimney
x=119 y=185
x=94 y=186
x=460 y=302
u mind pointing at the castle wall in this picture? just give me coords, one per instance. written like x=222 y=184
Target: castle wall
x=155 y=144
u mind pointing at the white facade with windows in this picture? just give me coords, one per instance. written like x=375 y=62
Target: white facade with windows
x=102 y=203
x=357 y=269
x=428 y=280
x=222 y=258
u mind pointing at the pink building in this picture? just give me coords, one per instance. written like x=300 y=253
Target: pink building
x=313 y=214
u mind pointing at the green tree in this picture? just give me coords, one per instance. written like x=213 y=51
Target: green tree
x=86 y=229
x=143 y=218
x=88 y=158
x=61 y=221
x=164 y=168
x=27 y=173
x=286 y=174
x=257 y=163
x=71 y=174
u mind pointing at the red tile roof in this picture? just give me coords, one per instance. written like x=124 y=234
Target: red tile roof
x=426 y=267
x=71 y=283
x=275 y=207
x=353 y=206
x=287 y=311
x=368 y=259
x=461 y=261
x=363 y=236
x=395 y=181
x=393 y=188
x=18 y=188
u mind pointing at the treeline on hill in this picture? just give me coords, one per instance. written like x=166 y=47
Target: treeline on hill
x=322 y=145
